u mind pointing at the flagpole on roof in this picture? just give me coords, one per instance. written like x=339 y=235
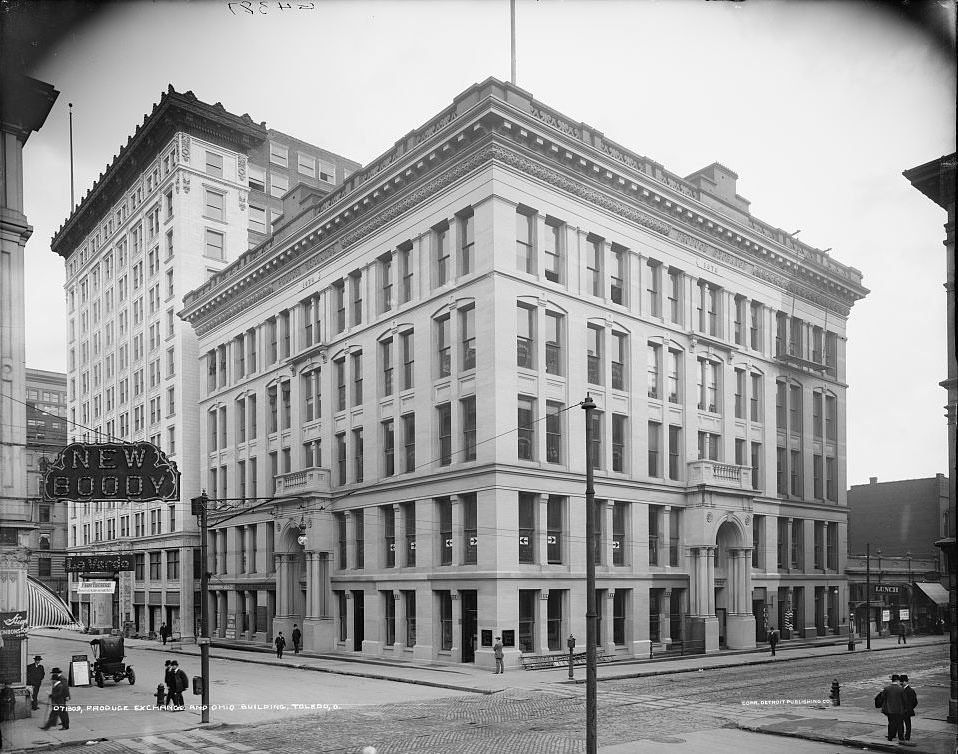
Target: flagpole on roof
x=512 y=19
x=72 y=201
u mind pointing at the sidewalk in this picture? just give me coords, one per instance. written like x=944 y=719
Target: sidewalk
x=835 y=725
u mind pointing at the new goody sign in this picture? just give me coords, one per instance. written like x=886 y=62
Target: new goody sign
x=104 y=472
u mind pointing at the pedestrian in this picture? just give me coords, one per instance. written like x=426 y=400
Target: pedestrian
x=280 y=645
x=35 y=675
x=497 y=651
x=59 y=696
x=773 y=639
x=901 y=632
x=169 y=681
x=180 y=684
x=297 y=639
x=911 y=701
x=891 y=699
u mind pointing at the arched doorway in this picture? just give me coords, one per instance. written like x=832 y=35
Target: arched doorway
x=733 y=585
x=291 y=581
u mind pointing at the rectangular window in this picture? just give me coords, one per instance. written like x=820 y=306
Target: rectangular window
x=306 y=164
x=278 y=155
x=818 y=476
x=554 y=633
x=467 y=332
x=466 y=243
x=257 y=219
x=445 y=620
x=553 y=432
x=440 y=239
x=831 y=480
x=620 y=352
x=526 y=428
x=654 y=449
x=620 y=521
x=389 y=448
x=527 y=527
x=339 y=298
x=214 y=164
x=795 y=469
x=406 y=271
x=831 y=418
x=358 y=453
x=755 y=398
x=389 y=535
x=654 y=369
x=756 y=465
x=409 y=518
x=359 y=519
x=409 y=442
x=598 y=459
x=357 y=374
x=470 y=529
x=356 y=286
x=619 y=446
x=385 y=283
x=739 y=393
x=755 y=326
x=444 y=422
x=554 y=528
x=525 y=336
x=339 y=367
x=795 y=408
x=675 y=450
x=214 y=205
x=214 y=245
x=594 y=265
x=386 y=359
x=817 y=414
x=739 y=323
x=443 y=341
x=525 y=249
x=708 y=446
x=552 y=247
x=781 y=471
x=553 y=337
x=389 y=617
x=654 y=287
x=341 y=457
x=708 y=386
x=468 y=428
x=617 y=277
x=408 y=359
x=444 y=506
x=594 y=355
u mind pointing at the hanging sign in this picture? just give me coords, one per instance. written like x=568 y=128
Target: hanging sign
x=107 y=472
x=96 y=586
x=13 y=624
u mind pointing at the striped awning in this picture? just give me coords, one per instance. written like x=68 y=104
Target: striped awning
x=47 y=608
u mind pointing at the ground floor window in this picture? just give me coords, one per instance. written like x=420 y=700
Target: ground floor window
x=341 y=614
x=389 y=613
x=654 y=610
x=410 y=599
x=445 y=620
x=555 y=619
x=619 y=608
x=527 y=620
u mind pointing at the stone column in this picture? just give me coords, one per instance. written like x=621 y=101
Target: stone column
x=710 y=581
x=310 y=580
x=665 y=612
x=456 y=652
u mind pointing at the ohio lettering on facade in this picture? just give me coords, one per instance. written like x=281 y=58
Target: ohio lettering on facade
x=104 y=472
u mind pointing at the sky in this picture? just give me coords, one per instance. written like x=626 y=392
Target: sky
x=817 y=106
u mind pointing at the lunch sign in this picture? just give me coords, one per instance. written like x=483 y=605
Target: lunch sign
x=106 y=472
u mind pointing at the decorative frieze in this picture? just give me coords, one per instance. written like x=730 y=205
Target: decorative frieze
x=555 y=122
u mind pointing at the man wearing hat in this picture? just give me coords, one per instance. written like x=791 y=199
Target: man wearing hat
x=180 y=684
x=35 y=675
x=59 y=696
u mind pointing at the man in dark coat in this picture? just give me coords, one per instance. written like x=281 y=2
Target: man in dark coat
x=164 y=632
x=35 y=676
x=297 y=637
x=59 y=696
x=280 y=645
x=911 y=699
x=168 y=680
x=180 y=684
x=893 y=706
x=773 y=639
x=901 y=633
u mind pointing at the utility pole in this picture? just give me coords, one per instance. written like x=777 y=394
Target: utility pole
x=199 y=508
x=868 y=596
x=591 y=738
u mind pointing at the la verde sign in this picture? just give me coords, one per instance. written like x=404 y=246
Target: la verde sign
x=104 y=472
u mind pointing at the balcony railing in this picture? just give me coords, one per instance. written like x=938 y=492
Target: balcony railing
x=305 y=482
x=704 y=471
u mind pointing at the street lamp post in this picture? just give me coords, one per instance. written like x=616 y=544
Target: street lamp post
x=868 y=596
x=200 y=505
x=591 y=738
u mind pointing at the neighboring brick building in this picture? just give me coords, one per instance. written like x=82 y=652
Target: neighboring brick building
x=398 y=373
x=193 y=188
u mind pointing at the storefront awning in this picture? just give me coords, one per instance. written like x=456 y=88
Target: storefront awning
x=934 y=591
x=46 y=607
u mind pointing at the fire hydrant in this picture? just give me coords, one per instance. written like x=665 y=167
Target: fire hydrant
x=571 y=644
x=160 y=696
x=835 y=694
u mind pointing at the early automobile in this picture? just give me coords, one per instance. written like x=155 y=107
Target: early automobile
x=108 y=661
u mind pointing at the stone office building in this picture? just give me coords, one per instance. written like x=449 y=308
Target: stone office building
x=194 y=187
x=391 y=403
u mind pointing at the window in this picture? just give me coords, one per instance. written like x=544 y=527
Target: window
x=675 y=380
x=389 y=535
x=272 y=400
x=339 y=298
x=306 y=164
x=386 y=359
x=389 y=448
x=594 y=355
x=155 y=566
x=739 y=393
x=739 y=324
x=356 y=285
x=358 y=453
x=831 y=480
x=385 y=283
x=795 y=408
x=708 y=308
x=755 y=326
x=654 y=450
x=552 y=247
x=409 y=441
x=708 y=386
x=781 y=471
x=339 y=366
x=389 y=617
x=675 y=296
x=756 y=465
x=214 y=205
x=278 y=185
x=618 y=276
x=311 y=318
x=619 y=448
x=359 y=527
x=286 y=413
x=620 y=521
x=466 y=243
x=444 y=421
x=214 y=245
x=675 y=449
x=553 y=432
x=708 y=446
x=594 y=265
x=469 y=428
x=257 y=218
x=554 y=630
x=445 y=619
x=831 y=418
x=525 y=250
x=440 y=236
x=795 y=467
x=408 y=359
x=341 y=457
x=214 y=164
x=444 y=505
x=654 y=287
x=526 y=428
x=654 y=369
x=409 y=517
x=172 y=565
x=797 y=559
x=470 y=529
x=817 y=476
x=620 y=350
x=467 y=330
x=527 y=527
x=357 y=374
x=278 y=155
x=553 y=337
x=755 y=398
x=596 y=439
x=555 y=508
x=525 y=336
x=406 y=271
x=443 y=361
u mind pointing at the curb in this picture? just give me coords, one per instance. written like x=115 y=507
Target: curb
x=89 y=741
x=858 y=743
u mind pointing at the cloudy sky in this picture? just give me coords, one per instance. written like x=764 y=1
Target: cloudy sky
x=818 y=107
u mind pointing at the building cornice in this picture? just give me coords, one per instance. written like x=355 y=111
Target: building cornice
x=538 y=144
x=174 y=112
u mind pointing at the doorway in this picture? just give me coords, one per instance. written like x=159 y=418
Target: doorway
x=720 y=614
x=470 y=617
x=359 y=620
